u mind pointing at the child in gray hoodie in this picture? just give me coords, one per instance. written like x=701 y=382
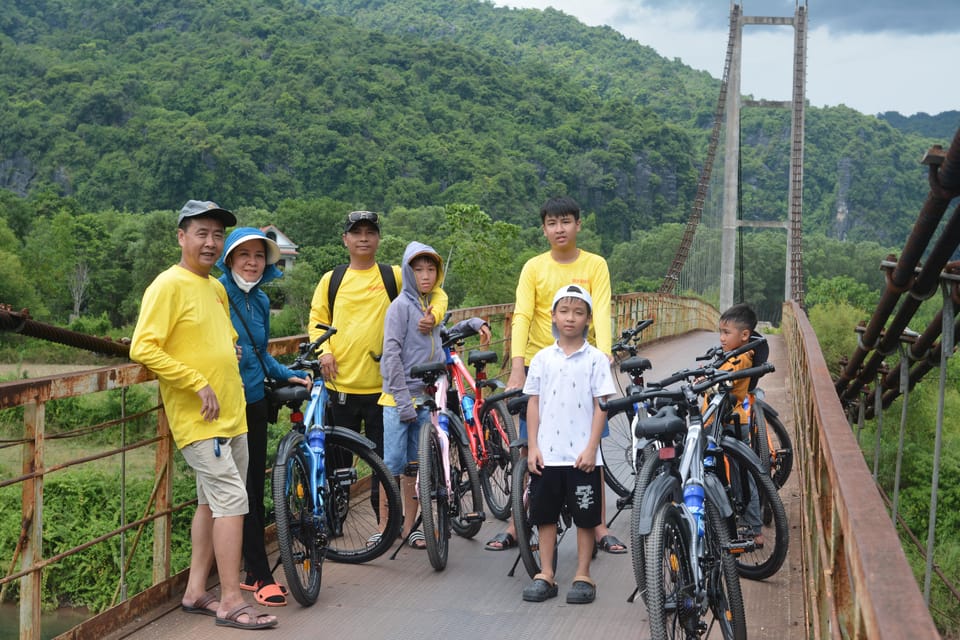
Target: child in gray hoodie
x=403 y=347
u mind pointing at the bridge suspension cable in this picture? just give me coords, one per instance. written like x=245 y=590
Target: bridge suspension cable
x=683 y=251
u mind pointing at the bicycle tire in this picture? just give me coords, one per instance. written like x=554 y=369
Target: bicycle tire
x=760 y=440
x=358 y=533
x=497 y=470
x=297 y=537
x=650 y=466
x=724 y=594
x=781 y=448
x=467 y=516
x=528 y=538
x=670 y=609
x=432 y=494
x=761 y=563
x=616 y=450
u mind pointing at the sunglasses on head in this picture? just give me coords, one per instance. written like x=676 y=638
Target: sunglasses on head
x=357 y=216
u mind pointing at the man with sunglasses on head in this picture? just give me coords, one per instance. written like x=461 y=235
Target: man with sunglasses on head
x=357 y=307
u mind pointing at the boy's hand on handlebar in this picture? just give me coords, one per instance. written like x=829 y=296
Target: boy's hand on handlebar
x=485 y=335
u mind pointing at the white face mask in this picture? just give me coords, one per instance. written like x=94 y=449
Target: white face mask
x=243 y=284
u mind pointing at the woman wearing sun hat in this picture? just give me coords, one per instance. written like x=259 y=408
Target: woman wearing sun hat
x=249 y=262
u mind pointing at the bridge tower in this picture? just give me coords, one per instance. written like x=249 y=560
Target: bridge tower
x=793 y=285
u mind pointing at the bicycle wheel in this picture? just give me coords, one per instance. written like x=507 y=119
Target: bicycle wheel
x=760 y=440
x=781 y=448
x=616 y=450
x=748 y=483
x=467 y=515
x=722 y=581
x=434 y=501
x=496 y=470
x=297 y=536
x=528 y=538
x=671 y=607
x=357 y=531
x=650 y=466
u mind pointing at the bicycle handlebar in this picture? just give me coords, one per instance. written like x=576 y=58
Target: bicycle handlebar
x=307 y=350
x=503 y=395
x=628 y=335
x=713 y=377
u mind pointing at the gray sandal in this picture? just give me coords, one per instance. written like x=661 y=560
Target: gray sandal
x=583 y=591
x=540 y=589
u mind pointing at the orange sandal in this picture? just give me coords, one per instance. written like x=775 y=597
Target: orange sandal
x=254 y=585
x=270 y=595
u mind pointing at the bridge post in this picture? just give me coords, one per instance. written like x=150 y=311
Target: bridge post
x=31 y=585
x=163 y=525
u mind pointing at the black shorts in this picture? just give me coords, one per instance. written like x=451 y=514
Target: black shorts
x=559 y=486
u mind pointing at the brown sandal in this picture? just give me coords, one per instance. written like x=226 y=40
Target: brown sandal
x=201 y=605
x=232 y=619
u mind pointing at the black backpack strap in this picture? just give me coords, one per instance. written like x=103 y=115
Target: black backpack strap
x=386 y=274
x=335 y=279
x=389 y=280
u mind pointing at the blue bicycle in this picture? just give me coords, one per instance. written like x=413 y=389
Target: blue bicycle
x=322 y=481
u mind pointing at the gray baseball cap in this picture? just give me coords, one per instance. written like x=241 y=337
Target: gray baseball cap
x=195 y=208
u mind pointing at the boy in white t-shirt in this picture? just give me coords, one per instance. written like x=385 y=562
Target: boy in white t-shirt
x=565 y=383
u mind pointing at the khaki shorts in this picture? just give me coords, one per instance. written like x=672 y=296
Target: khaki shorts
x=221 y=480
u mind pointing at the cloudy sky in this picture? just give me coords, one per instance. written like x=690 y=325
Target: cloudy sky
x=870 y=55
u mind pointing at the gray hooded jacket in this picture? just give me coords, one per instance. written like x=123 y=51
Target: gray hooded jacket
x=403 y=345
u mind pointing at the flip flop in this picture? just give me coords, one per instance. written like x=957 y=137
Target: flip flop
x=232 y=619
x=500 y=542
x=201 y=605
x=608 y=542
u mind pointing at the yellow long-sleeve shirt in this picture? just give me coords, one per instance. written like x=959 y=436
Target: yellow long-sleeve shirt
x=185 y=337
x=540 y=279
x=358 y=315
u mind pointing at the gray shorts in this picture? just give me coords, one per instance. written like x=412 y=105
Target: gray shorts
x=221 y=480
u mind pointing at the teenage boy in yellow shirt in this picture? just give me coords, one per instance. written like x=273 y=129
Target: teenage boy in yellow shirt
x=565 y=263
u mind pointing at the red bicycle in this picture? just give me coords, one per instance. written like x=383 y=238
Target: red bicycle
x=488 y=424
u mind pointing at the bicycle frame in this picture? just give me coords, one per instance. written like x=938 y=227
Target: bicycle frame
x=437 y=404
x=464 y=383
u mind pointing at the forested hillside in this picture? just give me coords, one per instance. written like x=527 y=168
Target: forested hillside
x=453 y=117
x=404 y=103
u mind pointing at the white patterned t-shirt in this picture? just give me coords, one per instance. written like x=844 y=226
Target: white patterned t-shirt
x=566 y=387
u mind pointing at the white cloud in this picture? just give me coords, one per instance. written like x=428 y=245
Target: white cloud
x=873 y=69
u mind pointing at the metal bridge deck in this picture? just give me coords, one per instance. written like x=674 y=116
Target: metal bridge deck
x=475 y=598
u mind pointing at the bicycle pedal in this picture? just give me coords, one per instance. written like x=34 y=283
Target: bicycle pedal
x=737 y=547
x=625 y=503
x=476 y=516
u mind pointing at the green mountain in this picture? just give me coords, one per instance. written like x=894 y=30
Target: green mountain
x=136 y=105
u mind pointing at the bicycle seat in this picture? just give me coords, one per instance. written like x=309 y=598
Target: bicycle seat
x=663 y=426
x=481 y=357
x=431 y=370
x=292 y=393
x=635 y=364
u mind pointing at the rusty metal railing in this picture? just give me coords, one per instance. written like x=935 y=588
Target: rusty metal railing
x=857 y=581
x=673 y=315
